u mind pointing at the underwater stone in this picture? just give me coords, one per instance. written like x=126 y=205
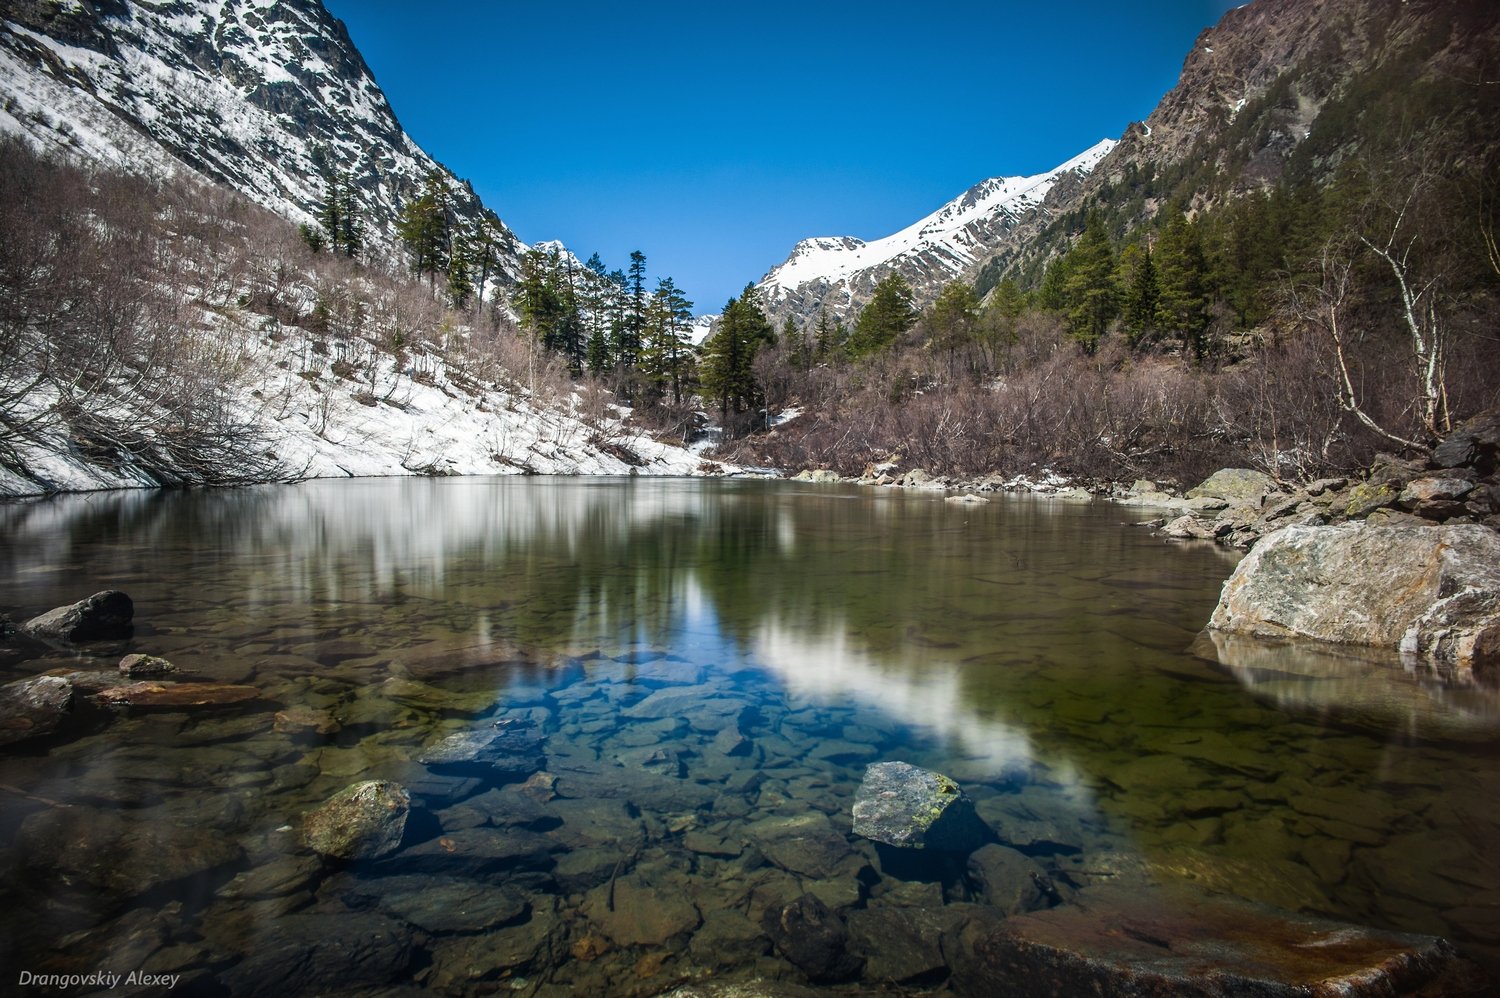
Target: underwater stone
x=1145 y=941
x=913 y=808
x=100 y=617
x=145 y=665
x=505 y=749
x=1008 y=879
x=362 y=821
x=811 y=936
x=31 y=707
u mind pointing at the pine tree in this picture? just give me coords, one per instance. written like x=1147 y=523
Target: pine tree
x=830 y=339
x=632 y=329
x=1053 y=294
x=1092 y=299
x=1183 y=305
x=424 y=228
x=889 y=313
x=460 y=273
x=951 y=319
x=728 y=372
x=666 y=351
x=1141 y=293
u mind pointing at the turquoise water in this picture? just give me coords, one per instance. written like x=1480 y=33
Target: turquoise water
x=707 y=668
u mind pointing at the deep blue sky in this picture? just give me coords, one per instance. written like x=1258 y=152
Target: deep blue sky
x=714 y=136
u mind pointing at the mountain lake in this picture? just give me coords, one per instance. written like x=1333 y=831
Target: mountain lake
x=695 y=675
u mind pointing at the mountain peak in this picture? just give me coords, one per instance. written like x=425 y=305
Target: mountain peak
x=840 y=272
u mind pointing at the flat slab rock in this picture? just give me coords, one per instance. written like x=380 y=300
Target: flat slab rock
x=1158 y=942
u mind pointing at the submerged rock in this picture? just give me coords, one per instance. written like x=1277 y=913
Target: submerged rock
x=362 y=821
x=32 y=707
x=121 y=853
x=503 y=749
x=101 y=617
x=174 y=696
x=145 y=665
x=913 y=808
x=1008 y=879
x=813 y=938
x=1432 y=591
x=1152 y=942
x=320 y=952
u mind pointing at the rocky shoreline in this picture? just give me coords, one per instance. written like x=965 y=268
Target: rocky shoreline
x=1457 y=483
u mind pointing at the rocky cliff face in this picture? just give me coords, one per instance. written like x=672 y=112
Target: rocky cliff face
x=839 y=273
x=1278 y=89
x=238 y=91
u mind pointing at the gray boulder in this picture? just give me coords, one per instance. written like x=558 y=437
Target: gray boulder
x=362 y=821
x=101 y=617
x=1235 y=485
x=1432 y=591
x=913 y=808
x=32 y=707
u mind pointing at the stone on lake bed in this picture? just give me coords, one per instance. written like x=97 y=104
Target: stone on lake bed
x=170 y=696
x=906 y=806
x=1146 y=941
x=103 y=616
x=32 y=707
x=506 y=748
x=445 y=905
x=362 y=821
x=145 y=665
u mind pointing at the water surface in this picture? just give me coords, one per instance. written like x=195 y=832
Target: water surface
x=1041 y=653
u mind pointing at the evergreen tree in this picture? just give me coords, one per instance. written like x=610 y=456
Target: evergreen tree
x=1141 y=293
x=667 y=352
x=424 y=228
x=889 y=314
x=728 y=372
x=594 y=303
x=951 y=319
x=312 y=237
x=1092 y=300
x=830 y=336
x=1053 y=295
x=1008 y=299
x=351 y=237
x=1183 y=304
x=632 y=329
x=460 y=273
x=799 y=349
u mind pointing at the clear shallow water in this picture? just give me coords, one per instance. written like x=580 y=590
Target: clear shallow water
x=1037 y=652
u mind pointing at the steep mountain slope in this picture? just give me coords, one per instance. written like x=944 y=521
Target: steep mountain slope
x=839 y=273
x=1281 y=91
x=236 y=91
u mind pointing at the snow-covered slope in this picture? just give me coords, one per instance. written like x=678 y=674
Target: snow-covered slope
x=840 y=272
x=237 y=91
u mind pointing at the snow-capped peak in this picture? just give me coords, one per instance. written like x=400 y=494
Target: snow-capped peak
x=944 y=245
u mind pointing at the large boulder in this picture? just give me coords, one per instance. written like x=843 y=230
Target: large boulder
x=101 y=617
x=362 y=821
x=1234 y=485
x=1434 y=592
x=913 y=808
x=31 y=707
